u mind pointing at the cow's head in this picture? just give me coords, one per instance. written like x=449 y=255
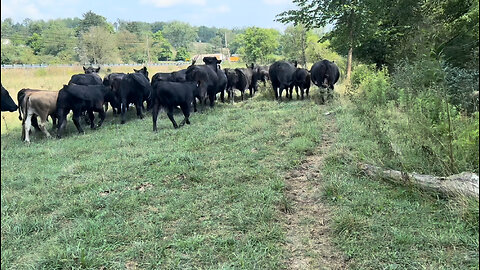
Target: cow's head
x=143 y=70
x=211 y=60
x=91 y=70
x=8 y=105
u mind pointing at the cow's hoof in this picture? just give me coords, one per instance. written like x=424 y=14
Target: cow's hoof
x=122 y=122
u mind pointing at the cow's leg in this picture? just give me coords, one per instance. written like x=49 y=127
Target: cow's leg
x=62 y=122
x=307 y=91
x=155 y=110
x=43 y=120
x=170 y=116
x=243 y=94
x=195 y=104
x=76 y=120
x=91 y=117
x=140 y=108
x=123 y=110
x=27 y=124
x=251 y=91
x=291 y=92
x=186 y=112
x=54 y=121
x=222 y=96
x=274 y=86
x=280 y=90
x=102 y=115
x=212 y=100
x=34 y=123
x=106 y=106
x=296 y=91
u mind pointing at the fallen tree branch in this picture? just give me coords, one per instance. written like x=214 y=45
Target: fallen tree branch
x=465 y=183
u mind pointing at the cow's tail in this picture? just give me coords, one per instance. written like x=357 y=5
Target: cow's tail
x=19 y=112
x=25 y=107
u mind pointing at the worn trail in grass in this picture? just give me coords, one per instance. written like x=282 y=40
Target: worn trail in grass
x=307 y=218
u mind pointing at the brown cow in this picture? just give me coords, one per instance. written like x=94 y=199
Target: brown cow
x=42 y=104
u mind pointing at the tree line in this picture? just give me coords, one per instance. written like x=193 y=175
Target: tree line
x=92 y=39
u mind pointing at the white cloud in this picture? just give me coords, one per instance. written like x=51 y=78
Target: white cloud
x=276 y=2
x=219 y=9
x=169 y=3
x=20 y=9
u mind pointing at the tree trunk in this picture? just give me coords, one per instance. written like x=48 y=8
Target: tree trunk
x=349 y=63
x=350 y=50
x=465 y=183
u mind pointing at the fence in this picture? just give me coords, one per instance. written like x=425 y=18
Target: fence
x=166 y=63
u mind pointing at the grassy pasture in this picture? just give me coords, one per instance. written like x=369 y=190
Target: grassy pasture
x=209 y=195
x=203 y=196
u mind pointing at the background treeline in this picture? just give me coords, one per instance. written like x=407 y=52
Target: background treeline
x=92 y=39
x=414 y=77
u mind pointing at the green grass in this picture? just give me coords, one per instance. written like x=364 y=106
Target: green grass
x=205 y=196
x=210 y=195
x=384 y=226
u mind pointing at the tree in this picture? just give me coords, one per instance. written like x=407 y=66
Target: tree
x=182 y=54
x=57 y=38
x=97 y=46
x=258 y=43
x=179 y=34
x=294 y=43
x=205 y=34
x=91 y=19
x=161 y=48
x=35 y=42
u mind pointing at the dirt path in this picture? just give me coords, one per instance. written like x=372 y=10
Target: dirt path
x=307 y=220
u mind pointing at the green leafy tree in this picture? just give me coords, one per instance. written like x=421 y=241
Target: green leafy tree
x=205 y=34
x=349 y=16
x=96 y=46
x=35 y=42
x=90 y=19
x=258 y=43
x=179 y=34
x=161 y=48
x=57 y=38
x=294 y=43
x=182 y=54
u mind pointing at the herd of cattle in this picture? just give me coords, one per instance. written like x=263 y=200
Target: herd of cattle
x=88 y=93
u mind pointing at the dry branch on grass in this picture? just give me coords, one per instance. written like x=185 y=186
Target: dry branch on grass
x=465 y=183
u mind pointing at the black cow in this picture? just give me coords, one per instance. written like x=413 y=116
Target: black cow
x=211 y=77
x=176 y=76
x=112 y=80
x=302 y=81
x=80 y=98
x=232 y=80
x=134 y=88
x=8 y=105
x=261 y=74
x=172 y=94
x=179 y=76
x=325 y=74
x=91 y=70
x=282 y=77
x=90 y=77
x=245 y=80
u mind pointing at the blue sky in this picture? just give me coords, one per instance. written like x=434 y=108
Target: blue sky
x=218 y=13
